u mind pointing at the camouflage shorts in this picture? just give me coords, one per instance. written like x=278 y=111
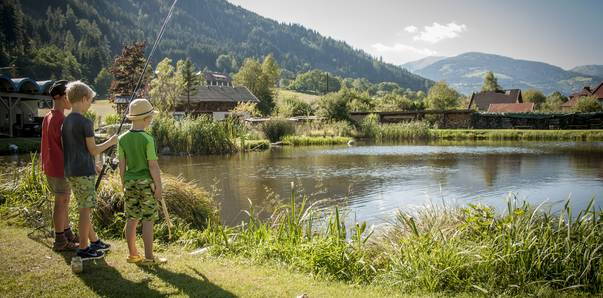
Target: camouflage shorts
x=84 y=191
x=139 y=200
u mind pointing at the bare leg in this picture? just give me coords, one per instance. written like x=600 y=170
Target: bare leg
x=131 y=236
x=92 y=234
x=147 y=238
x=85 y=227
x=60 y=214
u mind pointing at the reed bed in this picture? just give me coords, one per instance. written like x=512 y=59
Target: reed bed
x=315 y=141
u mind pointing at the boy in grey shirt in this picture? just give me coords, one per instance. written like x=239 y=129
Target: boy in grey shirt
x=79 y=149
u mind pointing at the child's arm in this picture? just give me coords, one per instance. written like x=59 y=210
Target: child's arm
x=156 y=175
x=95 y=149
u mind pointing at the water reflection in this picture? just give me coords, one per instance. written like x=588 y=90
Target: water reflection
x=373 y=181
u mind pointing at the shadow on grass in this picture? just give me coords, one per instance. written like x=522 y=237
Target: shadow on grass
x=188 y=284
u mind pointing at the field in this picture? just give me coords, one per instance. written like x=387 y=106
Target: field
x=283 y=93
x=100 y=107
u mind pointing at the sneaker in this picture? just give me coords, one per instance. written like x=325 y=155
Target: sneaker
x=99 y=245
x=89 y=254
x=153 y=261
x=135 y=259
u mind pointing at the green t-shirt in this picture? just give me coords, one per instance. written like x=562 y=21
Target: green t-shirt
x=137 y=148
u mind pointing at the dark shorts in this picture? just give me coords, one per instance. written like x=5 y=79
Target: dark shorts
x=58 y=185
x=139 y=200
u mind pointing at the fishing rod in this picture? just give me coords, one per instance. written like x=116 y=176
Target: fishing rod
x=109 y=163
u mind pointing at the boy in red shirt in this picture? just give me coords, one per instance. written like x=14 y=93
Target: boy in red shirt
x=52 y=165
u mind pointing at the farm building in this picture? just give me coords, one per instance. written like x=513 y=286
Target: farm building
x=20 y=99
x=483 y=100
x=215 y=100
x=586 y=91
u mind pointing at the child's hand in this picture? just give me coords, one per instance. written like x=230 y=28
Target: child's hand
x=112 y=140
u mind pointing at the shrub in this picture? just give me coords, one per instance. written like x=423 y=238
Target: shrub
x=588 y=104
x=275 y=130
x=293 y=106
x=333 y=107
x=111 y=119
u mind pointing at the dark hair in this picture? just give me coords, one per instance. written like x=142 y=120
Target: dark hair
x=58 y=88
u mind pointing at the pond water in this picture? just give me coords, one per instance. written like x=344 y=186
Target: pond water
x=371 y=182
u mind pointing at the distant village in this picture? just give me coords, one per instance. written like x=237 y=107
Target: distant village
x=21 y=98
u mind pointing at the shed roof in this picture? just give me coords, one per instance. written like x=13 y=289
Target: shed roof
x=483 y=100
x=511 y=107
x=222 y=94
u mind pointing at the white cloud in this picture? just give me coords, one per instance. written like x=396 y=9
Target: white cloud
x=401 y=53
x=411 y=29
x=438 y=32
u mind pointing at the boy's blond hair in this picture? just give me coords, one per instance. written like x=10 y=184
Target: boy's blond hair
x=77 y=90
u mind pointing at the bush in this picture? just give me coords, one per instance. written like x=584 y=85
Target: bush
x=275 y=130
x=111 y=119
x=333 y=107
x=91 y=115
x=588 y=104
x=293 y=106
x=325 y=129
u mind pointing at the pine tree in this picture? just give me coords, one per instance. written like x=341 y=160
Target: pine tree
x=188 y=80
x=490 y=82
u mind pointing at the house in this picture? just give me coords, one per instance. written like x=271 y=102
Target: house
x=484 y=99
x=525 y=107
x=214 y=100
x=217 y=79
x=586 y=91
x=20 y=99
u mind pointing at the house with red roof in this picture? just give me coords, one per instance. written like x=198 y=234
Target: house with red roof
x=586 y=91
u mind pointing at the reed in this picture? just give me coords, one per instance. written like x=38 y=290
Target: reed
x=315 y=141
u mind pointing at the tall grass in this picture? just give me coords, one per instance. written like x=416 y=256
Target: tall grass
x=200 y=135
x=371 y=129
x=275 y=130
x=517 y=134
x=25 y=199
x=523 y=251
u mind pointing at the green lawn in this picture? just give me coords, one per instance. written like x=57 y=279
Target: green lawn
x=309 y=98
x=31 y=269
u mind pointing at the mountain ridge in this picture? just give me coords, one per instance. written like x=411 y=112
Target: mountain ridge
x=465 y=73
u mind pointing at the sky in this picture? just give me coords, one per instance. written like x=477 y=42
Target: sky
x=566 y=33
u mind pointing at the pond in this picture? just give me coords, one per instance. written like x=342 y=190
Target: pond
x=372 y=182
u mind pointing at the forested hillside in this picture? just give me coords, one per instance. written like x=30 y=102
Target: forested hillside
x=77 y=38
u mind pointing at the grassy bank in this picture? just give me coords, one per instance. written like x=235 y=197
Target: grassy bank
x=315 y=141
x=47 y=274
x=516 y=134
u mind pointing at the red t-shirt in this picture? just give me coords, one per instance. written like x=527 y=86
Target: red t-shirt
x=52 y=146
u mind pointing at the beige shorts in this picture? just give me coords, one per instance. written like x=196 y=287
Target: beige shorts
x=58 y=185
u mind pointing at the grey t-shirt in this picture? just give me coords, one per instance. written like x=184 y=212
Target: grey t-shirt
x=78 y=161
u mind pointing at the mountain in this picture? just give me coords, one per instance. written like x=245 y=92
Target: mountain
x=589 y=70
x=93 y=31
x=465 y=72
x=422 y=63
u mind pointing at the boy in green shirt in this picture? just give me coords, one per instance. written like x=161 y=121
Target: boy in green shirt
x=141 y=178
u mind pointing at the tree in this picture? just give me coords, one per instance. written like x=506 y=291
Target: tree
x=535 y=96
x=165 y=88
x=188 y=80
x=490 y=82
x=553 y=102
x=261 y=80
x=226 y=63
x=292 y=106
x=333 y=106
x=126 y=71
x=315 y=81
x=442 y=97
x=102 y=82
x=54 y=63
x=588 y=104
